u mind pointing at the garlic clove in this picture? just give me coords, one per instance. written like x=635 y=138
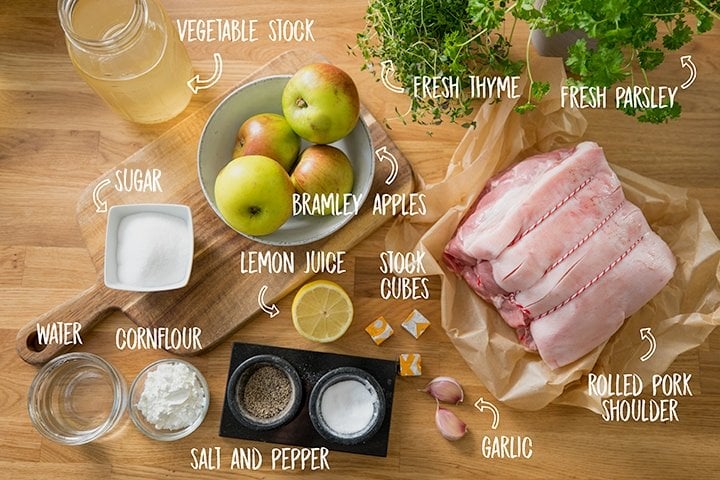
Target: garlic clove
x=450 y=426
x=445 y=389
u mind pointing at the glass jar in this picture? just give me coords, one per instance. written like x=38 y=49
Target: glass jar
x=129 y=52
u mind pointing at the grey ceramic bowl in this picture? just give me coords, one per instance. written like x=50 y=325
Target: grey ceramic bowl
x=316 y=412
x=218 y=141
x=239 y=379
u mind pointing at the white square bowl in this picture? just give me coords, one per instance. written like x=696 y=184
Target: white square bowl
x=115 y=215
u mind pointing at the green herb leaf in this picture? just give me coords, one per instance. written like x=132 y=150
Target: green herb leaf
x=650 y=58
x=654 y=115
x=679 y=36
x=539 y=89
x=613 y=9
x=704 y=21
x=578 y=58
x=660 y=115
x=525 y=107
x=605 y=66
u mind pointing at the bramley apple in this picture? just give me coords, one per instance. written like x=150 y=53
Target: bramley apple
x=324 y=170
x=254 y=194
x=321 y=103
x=268 y=134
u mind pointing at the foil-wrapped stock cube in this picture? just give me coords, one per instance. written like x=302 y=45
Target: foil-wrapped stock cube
x=416 y=324
x=410 y=365
x=379 y=330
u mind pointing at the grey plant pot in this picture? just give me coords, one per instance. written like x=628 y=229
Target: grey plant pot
x=556 y=45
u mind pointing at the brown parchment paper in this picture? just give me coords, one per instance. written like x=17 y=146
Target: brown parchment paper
x=681 y=316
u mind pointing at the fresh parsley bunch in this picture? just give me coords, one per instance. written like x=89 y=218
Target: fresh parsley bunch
x=630 y=38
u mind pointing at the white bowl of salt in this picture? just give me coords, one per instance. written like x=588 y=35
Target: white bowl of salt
x=148 y=247
x=347 y=406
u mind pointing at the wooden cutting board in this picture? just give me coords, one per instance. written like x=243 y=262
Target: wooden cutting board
x=218 y=298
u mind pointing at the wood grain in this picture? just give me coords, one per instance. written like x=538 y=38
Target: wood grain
x=57 y=137
x=217 y=299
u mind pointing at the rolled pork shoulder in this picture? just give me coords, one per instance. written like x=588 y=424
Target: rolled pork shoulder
x=560 y=252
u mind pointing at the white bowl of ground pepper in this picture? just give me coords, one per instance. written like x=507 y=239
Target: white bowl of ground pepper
x=264 y=392
x=169 y=399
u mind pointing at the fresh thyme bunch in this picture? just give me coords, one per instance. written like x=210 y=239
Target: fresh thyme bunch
x=438 y=38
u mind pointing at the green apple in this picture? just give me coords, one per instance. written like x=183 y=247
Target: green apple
x=321 y=103
x=254 y=194
x=270 y=135
x=323 y=170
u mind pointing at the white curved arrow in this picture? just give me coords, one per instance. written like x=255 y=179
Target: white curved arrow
x=271 y=310
x=388 y=69
x=196 y=84
x=483 y=405
x=100 y=205
x=646 y=334
x=686 y=62
x=382 y=154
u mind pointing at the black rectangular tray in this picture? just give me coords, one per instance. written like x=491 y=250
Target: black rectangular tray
x=311 y=366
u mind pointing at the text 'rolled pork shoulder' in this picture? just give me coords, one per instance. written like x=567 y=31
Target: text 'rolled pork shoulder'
x=554 y=245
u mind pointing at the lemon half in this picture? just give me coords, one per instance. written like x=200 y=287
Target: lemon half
x=322 y=311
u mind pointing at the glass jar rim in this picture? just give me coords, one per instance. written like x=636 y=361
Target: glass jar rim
x=119 y=39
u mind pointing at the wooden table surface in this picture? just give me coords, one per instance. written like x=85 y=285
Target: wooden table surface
x=56 y=137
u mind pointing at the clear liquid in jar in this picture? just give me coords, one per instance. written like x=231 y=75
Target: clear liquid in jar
x=147 y=81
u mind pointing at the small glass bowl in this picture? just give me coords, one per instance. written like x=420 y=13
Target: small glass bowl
x=136 y=390
x=76 y=398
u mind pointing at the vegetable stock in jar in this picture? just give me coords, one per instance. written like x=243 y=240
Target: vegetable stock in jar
x=130 y=54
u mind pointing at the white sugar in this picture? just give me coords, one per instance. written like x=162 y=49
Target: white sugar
x=152 y=249
x=348 y=407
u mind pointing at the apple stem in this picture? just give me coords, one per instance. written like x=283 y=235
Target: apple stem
x=301 y=103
